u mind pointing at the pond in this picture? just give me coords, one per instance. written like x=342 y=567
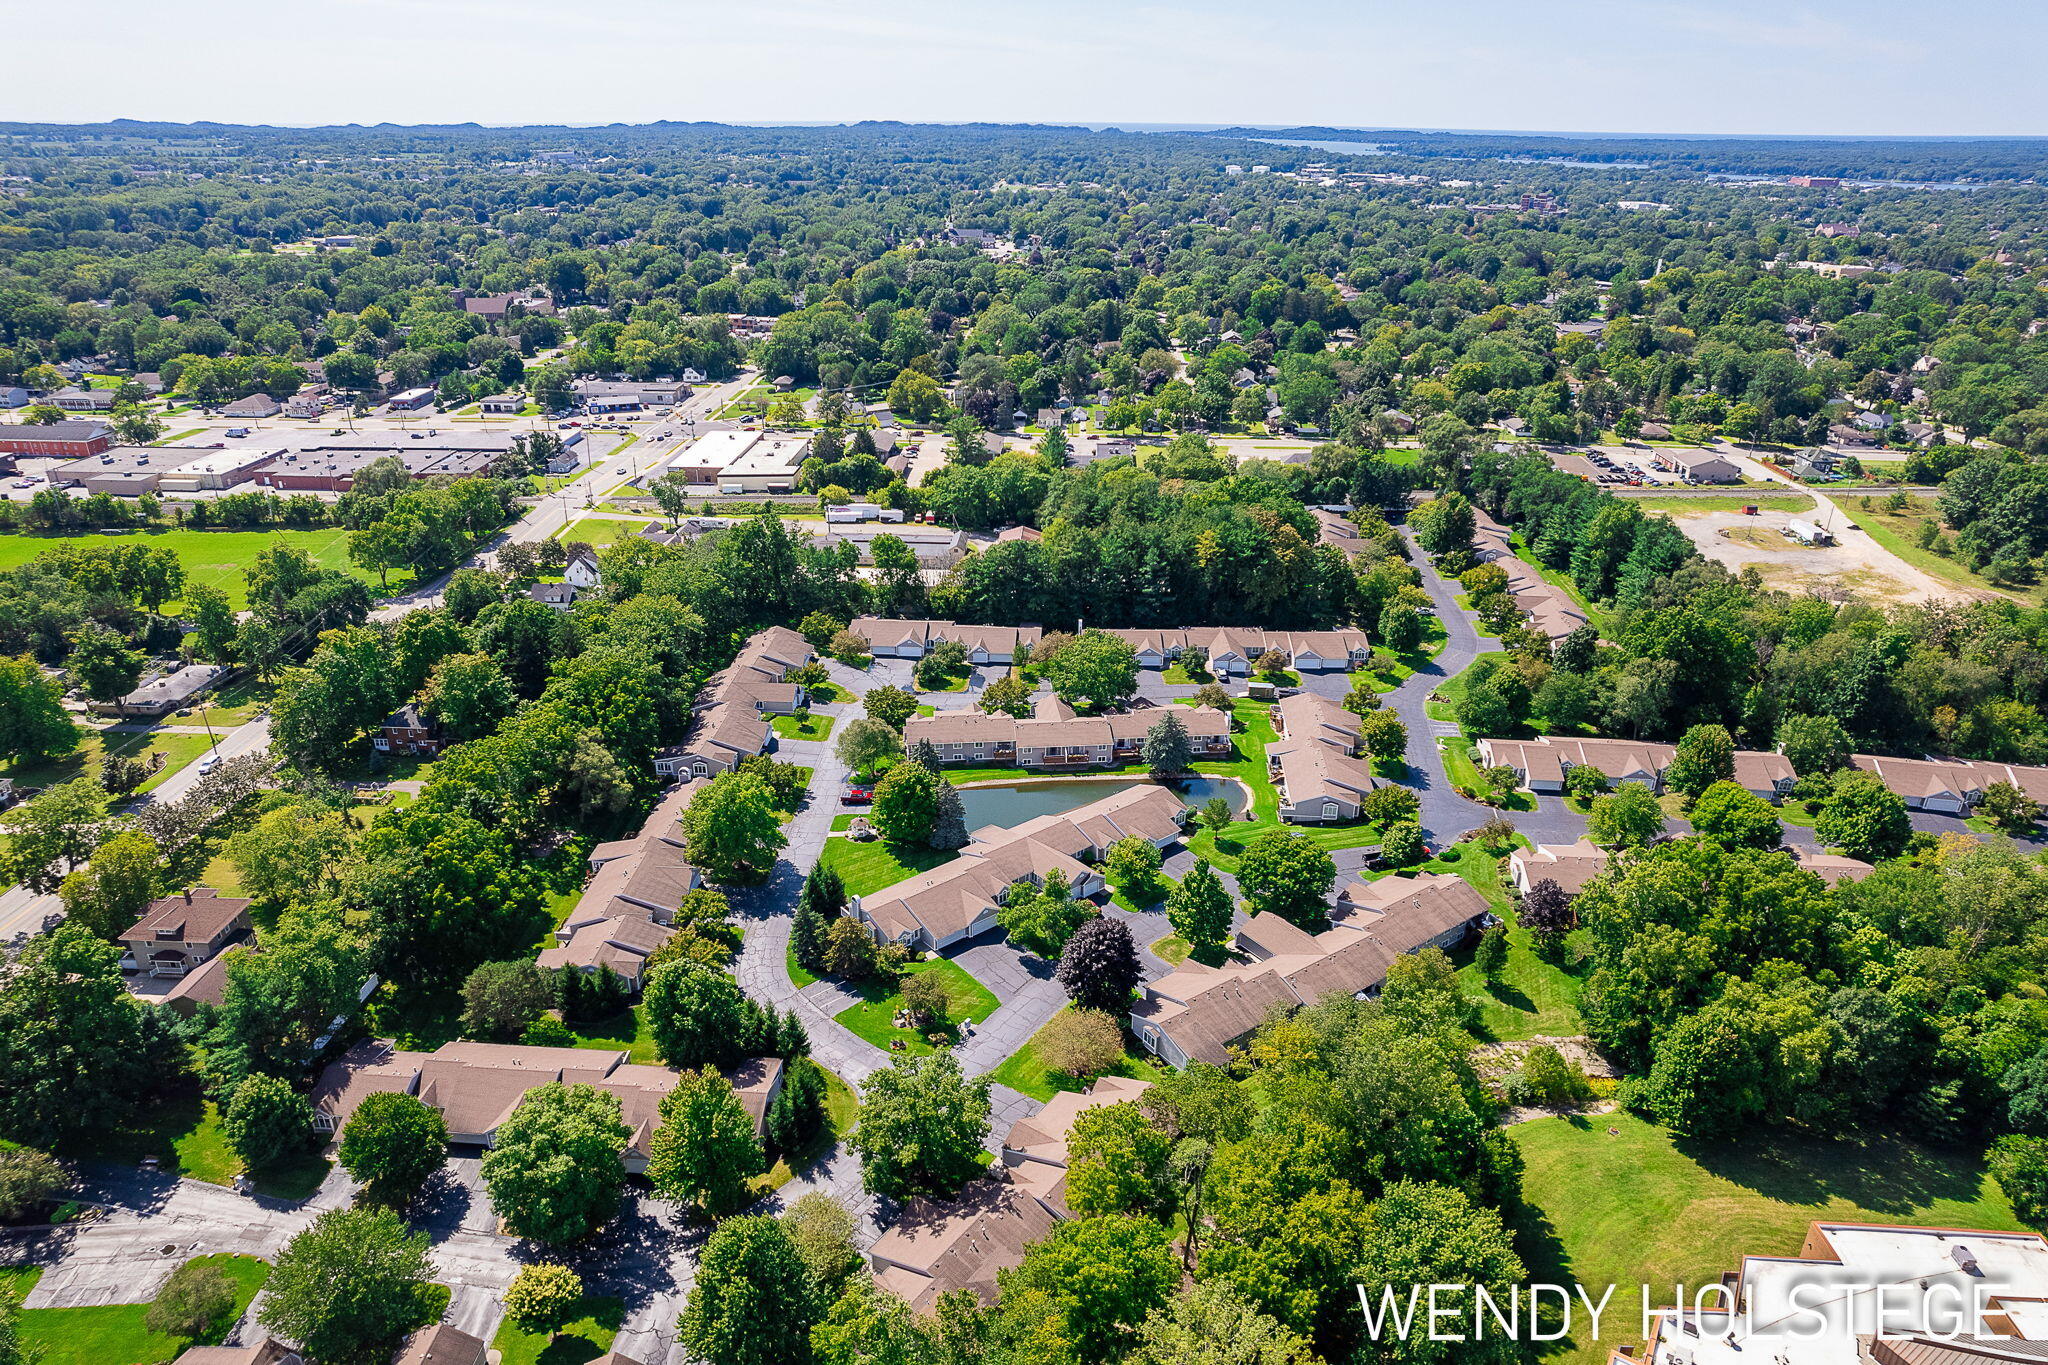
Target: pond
x=1013 y=803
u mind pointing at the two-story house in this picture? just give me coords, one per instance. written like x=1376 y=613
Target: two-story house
x=179 y=933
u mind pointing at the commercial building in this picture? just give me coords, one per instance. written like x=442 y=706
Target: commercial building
x=1944 y=1296
x=412 y=400
x=66 y=440
x=742 y=461
x=1701 y=466
x=330 y=464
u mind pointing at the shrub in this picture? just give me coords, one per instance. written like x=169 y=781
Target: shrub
x=1081 y=1043
x=197 y=1300
x=541 y=1295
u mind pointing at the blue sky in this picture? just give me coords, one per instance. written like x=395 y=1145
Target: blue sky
x=1738 y=66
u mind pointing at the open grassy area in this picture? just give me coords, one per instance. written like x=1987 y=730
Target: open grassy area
x=217 y=558
x=802 y=726
x=115 y=1334
x=1899 y=532
x=1728 y=502
x=601 y=531
x=1635 y=1205
x=1025 y=1071
x=1531 y=998
x=1173 y=948
x=873 y=1018
x=870 y=866
x=586 y=1333
x=178 y=750
x=627 y=1029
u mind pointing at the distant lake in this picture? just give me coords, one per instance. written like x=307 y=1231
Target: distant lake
x=1341 y=148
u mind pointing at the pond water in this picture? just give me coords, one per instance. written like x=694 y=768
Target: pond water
x=1013 y=803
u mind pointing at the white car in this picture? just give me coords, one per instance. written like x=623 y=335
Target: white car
x=209 y=763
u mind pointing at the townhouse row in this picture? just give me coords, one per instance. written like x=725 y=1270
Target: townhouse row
x=1945 y=786
x=961 y=899
x=1548 y=609
x=938 y=1247
x=1053 y=737
x=730 y=720
x=1198 y=1013
x=1233 y=651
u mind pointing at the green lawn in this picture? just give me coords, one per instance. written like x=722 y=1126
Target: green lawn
x=178 y=750
x=218 y=558
x=803 y=726
x=1636 y=1205
x=587 y=1332
x=1730 y=502
x=601 y=531
x=1023 y=1071
x=1530 y=998
x=798 y=973
x=1173 y=949
x=872 y=1018
x=1461 y=766
x=627 y=1029
x=1222 y=847
x=870 y=866
x=114 y=1334
x=1897 y=532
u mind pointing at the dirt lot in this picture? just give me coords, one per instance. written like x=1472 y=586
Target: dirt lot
x=1857 y=567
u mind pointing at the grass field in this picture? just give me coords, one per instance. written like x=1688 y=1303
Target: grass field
x=216 y=558
x=115 y=1334
x=1531 y=998
x=586 y=1333
x=872 y=1019
x=601 y=531
x=1635 y=1205
x=1729 y=502
x=1172 y=949
x=868 y=867
x=1025 y=1072
x=178 y=750
x=802 y=727
x=627 y=1029
x=1899 y=531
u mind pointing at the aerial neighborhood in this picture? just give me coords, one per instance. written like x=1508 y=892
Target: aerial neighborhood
x=669 y=743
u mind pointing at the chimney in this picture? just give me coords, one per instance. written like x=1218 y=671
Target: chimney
x=188 y=895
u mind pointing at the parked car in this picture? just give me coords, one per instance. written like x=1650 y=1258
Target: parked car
x=858 y=796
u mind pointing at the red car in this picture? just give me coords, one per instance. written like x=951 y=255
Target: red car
x=858 y=796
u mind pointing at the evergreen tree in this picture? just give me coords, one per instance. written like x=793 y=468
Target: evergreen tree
x=1167 y=750
x=949 y=825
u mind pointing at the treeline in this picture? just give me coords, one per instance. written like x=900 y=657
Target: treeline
x=1694 y=644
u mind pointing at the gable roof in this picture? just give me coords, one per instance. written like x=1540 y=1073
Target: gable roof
x=199 y=915
x=936 y=1249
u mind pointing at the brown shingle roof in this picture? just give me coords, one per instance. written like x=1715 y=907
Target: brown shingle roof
x=936 y=1249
